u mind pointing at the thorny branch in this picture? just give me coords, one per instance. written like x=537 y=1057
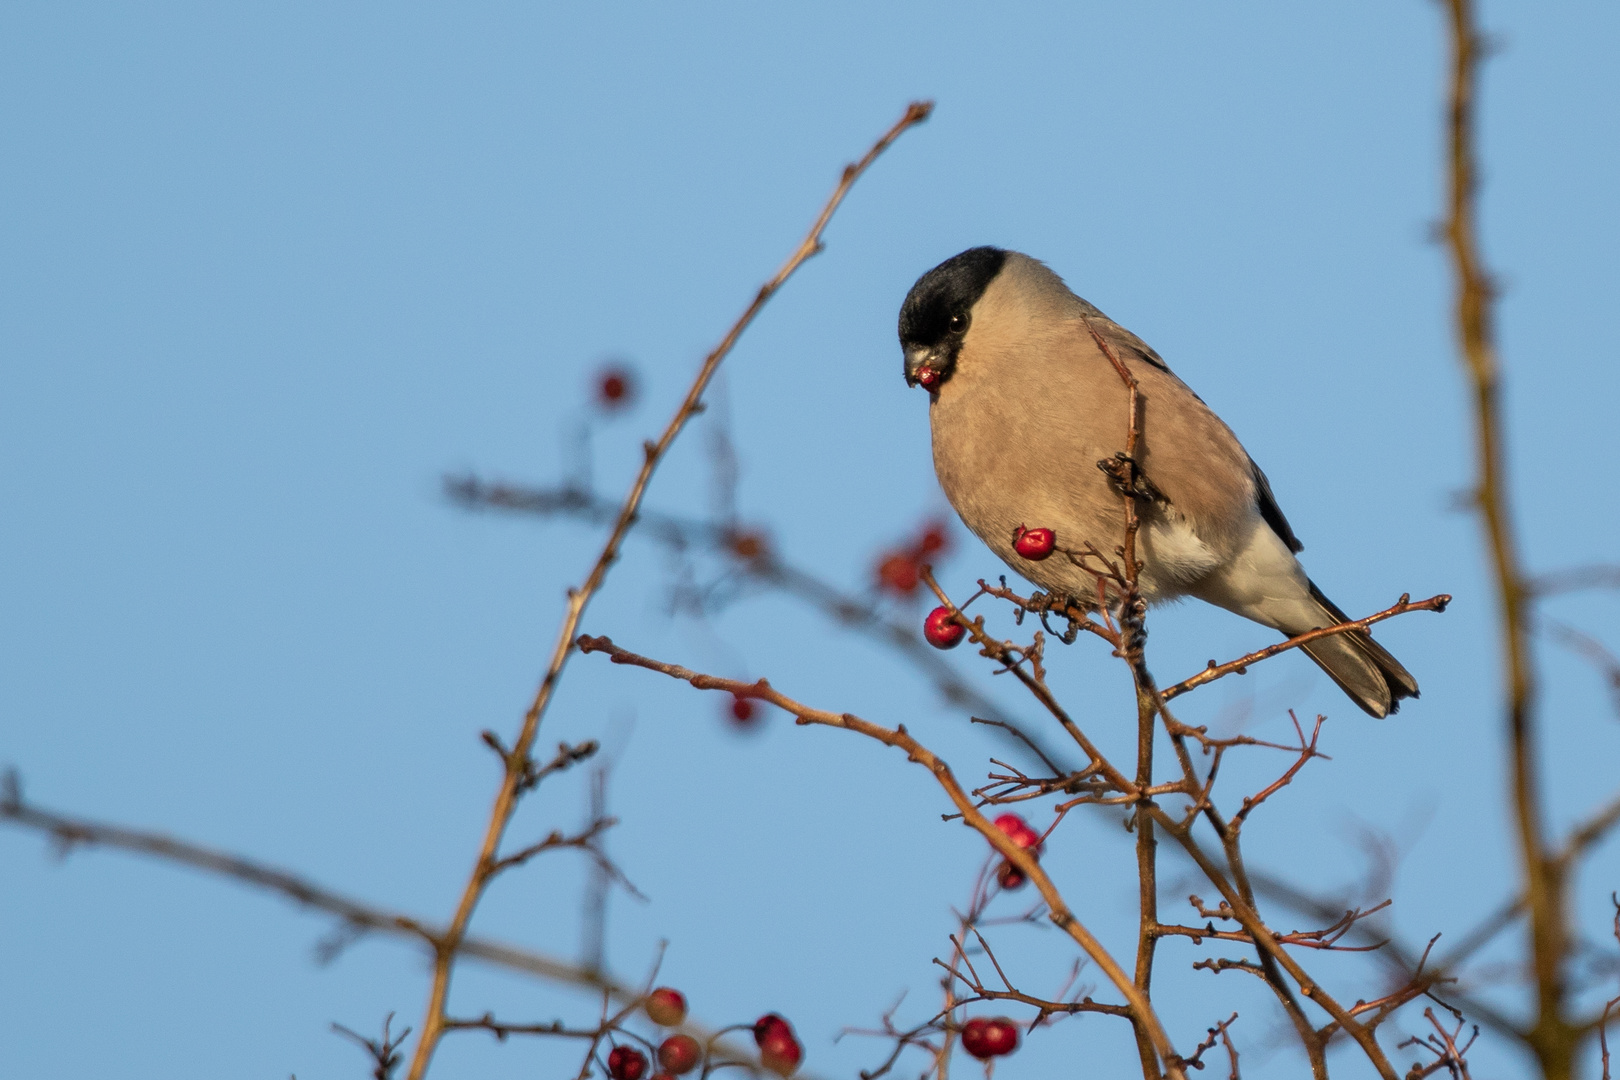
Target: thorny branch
x=67 y=833
x=1141 y=1010
x=754 y=557
x=384 y=1051
x=506 y=797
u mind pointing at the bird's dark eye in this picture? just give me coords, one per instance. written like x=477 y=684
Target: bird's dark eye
x=958 y=324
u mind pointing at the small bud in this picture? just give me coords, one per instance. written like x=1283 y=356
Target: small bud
x=941 y=630
x=627 y=1063
x=1034 y=544
x=666 y=1006
x=679 y=1054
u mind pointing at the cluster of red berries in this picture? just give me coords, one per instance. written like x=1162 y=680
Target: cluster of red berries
x=679 y=1054
x=899 y=570
x=779 y=1048
x=1019 y=832
x=940 y=628
x=986 y=1037
x=615 y=387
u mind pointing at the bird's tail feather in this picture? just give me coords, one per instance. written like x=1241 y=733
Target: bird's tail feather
x=1361 y=667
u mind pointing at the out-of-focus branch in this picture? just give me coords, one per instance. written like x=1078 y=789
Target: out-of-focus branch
x=505 y=803
x=1574 y=579
x=1142 y=1012
x=1552 y=1038
x=756 y=560
x=68 y=832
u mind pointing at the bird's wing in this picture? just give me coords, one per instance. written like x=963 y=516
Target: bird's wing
x=1124 y=341
x=1270 y=511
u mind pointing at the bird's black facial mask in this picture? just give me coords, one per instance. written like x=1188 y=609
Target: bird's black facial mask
x=938 y=310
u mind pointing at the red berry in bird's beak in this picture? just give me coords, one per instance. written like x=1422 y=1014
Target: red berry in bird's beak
x=941 y=630
x=927 y=378
x=1034 y=544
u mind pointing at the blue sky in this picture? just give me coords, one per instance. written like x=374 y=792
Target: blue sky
x=272 y=270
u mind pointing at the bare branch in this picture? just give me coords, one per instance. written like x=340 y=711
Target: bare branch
x=506 y=797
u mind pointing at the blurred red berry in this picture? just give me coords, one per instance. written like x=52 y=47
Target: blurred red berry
x=666 y=1006
x=626 y=1063
x=934 y=538
x=615 y=387
x=742 y=711
x=1019 y=831
x=942 y=631
x=899 y=572
x=768 y=1023
x=1034 y=544
x=987 y=1038
x=1010 y=877
x=679 y=1054
x=780 y=1052
x=747 y=545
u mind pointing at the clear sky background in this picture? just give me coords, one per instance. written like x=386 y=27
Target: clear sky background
x=270 y=271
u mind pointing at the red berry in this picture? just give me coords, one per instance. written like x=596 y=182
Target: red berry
x=768 y=1023
x=1010 y=877
x=934 y=538
x=742 y=711
x=1034 y=544
x=1018 y=830
x=986 y=1038
x=899 y=572
x=679 y=1054
x=928 y=377
x=780 y=1052
x=941 y=630
x=615 y=387
x=666 y=1006
x=626 y=1063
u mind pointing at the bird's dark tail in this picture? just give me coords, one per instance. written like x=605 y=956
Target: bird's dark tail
x=1360 y=666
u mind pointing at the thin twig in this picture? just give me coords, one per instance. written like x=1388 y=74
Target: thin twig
x=506 y=797
x=1021 y=858
x=1241 y=665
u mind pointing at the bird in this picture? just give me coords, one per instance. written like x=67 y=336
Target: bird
x=1025 y=405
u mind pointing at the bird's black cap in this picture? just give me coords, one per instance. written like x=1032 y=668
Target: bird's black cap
x=948 y=290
